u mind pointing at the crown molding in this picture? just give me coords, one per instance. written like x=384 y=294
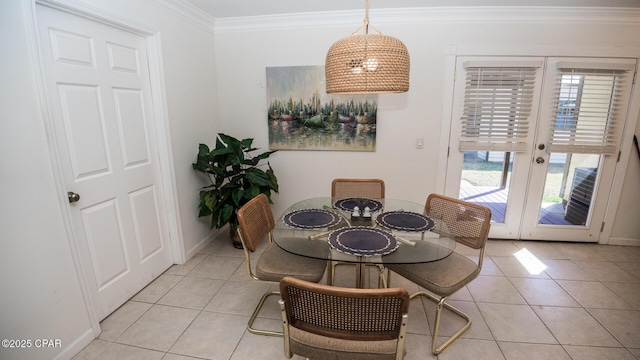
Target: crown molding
x=466 y=14
x=189 y=12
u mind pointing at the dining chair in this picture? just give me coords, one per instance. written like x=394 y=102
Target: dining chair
x=256 y=223
x=469 y=225
x=342 y=188
x=330 y=322
x=360 y=188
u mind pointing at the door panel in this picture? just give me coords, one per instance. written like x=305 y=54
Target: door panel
x=83 y=121
x=123 y=59
x=71 y=48
x=146 y=222
x=129 y=108
x=99 y=93
x=106 y=242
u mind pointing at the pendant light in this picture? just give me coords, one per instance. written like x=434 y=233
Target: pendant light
x=367 y=63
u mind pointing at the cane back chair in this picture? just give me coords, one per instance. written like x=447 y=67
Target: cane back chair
x=256 y=223
x=329 y=322
x=360 y=188
x=355 y=188
x=469 y=225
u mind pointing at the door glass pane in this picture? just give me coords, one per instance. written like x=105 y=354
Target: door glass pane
x=485 y=180
x=569 y=189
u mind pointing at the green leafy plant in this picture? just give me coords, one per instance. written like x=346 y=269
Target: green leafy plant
x=236 y=177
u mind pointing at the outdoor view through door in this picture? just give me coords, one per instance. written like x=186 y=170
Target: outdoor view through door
x=540 y=152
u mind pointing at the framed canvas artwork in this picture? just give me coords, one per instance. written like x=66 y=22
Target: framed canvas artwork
x=302 y=116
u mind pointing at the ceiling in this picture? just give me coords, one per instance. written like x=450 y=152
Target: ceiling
x=242 y=8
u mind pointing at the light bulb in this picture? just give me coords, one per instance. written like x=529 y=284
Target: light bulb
x=371 y=64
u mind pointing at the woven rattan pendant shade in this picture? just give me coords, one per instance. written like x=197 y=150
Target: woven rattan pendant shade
x=367 y=64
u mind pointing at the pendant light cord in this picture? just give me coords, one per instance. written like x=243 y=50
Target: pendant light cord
x=366 y=19
x=366 y=23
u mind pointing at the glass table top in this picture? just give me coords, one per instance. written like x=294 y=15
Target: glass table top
x=396 y=232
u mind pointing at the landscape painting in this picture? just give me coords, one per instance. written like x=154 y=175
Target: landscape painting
x=302 y=116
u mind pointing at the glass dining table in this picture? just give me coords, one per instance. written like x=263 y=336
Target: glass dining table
x=386 y=231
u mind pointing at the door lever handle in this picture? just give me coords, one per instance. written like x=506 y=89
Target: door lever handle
x=73 y=197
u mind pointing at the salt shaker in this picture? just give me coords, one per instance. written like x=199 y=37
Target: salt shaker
x=356 y=211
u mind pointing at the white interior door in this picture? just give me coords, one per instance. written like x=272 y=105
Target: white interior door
x=539 y=150
x=98 y=89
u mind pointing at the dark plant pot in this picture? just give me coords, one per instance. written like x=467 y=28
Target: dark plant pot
x=233 y=234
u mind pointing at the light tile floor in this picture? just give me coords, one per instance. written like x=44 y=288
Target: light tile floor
x=585 y=305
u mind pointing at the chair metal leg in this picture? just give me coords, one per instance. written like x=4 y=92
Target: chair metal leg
x=361 y=275
x=330 y=270
x=285 y=327
x=400 y=350
x=255 y=314
x=440 y=302
x=384 y=281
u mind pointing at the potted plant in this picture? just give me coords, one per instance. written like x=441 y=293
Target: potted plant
x=236 y=177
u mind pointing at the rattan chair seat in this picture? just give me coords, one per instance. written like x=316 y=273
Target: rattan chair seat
x=275 y=263
x=443 y=277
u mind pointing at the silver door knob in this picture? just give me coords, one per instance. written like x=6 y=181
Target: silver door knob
x=73 y=197
x=539 y=160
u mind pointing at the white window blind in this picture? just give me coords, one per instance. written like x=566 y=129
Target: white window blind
x=497 y=107
x=590 y=103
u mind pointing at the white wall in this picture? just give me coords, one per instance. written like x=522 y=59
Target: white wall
x=41 y=294
x=626 y=227
x=245 y=47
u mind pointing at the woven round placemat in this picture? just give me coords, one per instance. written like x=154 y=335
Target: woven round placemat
x=311 y=219
x=348 y=204
x=405 y=221
x=363 y=241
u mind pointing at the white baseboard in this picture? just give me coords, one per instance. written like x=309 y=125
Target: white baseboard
x=76 y=346
x=624 y=241
x=204 y=242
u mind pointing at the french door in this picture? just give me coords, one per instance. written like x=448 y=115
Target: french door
x=536 y=140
